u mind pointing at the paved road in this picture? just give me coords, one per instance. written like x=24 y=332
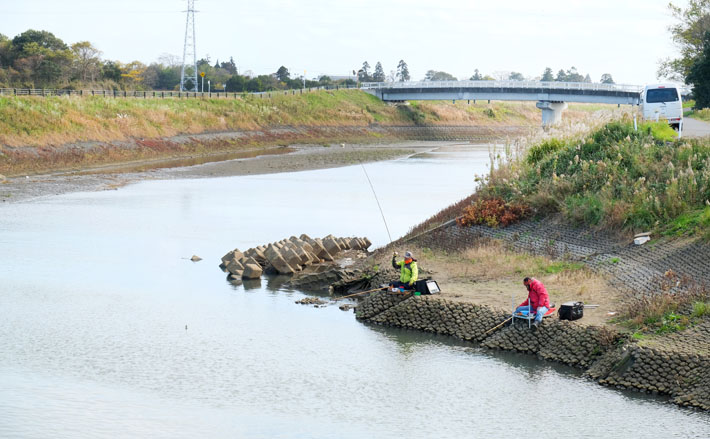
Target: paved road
x=695 y=128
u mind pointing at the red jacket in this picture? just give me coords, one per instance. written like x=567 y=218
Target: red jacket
x=537 y=294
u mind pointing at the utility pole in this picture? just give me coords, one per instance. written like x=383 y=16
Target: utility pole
x=188 y=49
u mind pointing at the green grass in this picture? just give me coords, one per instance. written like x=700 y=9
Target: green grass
x=703 y=114
x=659 y=130
x=672 y=322
x=700 y=309
x=559 y=267
x=696 y=222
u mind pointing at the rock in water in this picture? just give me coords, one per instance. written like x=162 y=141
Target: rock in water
x=195 y=258
x=252 y=271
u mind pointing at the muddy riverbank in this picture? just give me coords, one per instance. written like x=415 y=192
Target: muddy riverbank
x=256 y=161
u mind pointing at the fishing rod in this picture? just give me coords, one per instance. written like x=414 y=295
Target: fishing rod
x=361 y=292
x=373 y=192
x=498 y=325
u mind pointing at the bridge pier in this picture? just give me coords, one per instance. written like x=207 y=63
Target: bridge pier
x=551 y=112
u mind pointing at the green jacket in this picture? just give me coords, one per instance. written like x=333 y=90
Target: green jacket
x=409 y=273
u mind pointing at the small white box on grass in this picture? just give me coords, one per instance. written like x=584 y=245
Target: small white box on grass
x=641 y=239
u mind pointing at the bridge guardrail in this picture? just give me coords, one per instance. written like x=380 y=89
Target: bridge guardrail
x=506 y=84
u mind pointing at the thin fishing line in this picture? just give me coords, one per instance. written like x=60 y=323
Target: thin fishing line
x=376 y=199
x=362 y=165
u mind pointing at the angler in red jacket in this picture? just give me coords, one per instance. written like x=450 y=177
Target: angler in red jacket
x=538 y=299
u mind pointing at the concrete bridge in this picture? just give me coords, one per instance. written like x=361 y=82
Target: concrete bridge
x=551 y=97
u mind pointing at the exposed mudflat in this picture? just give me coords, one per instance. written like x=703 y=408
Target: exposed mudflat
x=256 y=161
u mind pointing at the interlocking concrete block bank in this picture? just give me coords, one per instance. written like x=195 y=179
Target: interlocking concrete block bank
x=678 y=366
x=678 y=369
x=463 y=320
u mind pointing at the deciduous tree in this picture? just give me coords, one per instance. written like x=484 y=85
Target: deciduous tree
x=22 y=44
x=699 y=75
x=688 y=36
x=111 y=70
x=236 y=83
x=87 y=61
x=132 y=73
x=5 y=48
x=282 y=74
x=230 y=66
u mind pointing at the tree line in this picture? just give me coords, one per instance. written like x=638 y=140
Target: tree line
x=402 y=74
x=691 y=35
x=39 y=59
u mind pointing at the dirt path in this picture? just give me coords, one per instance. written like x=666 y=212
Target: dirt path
x=695 y=128
x=492 y=275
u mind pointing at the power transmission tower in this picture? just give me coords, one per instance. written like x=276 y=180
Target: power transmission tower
x=189 y=47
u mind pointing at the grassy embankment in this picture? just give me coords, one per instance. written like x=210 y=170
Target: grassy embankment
x=618 y=179
x=35 y=131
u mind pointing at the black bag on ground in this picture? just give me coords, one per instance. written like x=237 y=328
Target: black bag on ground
x=571 y=311
x=426 y=286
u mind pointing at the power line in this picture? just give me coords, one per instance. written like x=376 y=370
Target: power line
x=85 y=12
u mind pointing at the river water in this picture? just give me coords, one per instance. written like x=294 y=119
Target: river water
x=108 y=330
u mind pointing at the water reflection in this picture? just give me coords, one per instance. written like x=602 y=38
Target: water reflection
x=251 y=284
x=276 y=282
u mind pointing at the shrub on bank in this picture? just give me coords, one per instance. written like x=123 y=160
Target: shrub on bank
x=493 y=212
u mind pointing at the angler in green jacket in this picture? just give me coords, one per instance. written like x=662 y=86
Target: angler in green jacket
x=409 y=273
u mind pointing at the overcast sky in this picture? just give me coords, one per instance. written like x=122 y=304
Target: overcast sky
x=623 y=37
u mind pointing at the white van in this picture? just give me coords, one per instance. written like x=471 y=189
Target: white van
x=662 y=101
